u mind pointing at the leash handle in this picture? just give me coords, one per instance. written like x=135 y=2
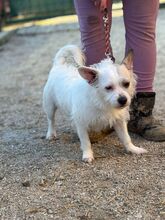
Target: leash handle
x=107 y=28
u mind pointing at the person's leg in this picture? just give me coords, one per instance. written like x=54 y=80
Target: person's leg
x=91 y=29
x=140 y=24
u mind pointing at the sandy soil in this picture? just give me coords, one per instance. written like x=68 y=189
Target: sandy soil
x=47 y=180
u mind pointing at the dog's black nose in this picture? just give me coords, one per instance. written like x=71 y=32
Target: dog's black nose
x=122 y=100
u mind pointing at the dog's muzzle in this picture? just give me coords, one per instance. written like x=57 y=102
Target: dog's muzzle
x=122 y=100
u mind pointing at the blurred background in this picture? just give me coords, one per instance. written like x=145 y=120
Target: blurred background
x=19 y=11
x=14 y=11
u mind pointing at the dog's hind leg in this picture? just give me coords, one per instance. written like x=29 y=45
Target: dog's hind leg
x=50 y=109
x=85 y=144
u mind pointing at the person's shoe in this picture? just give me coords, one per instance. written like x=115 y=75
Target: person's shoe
x=142 y=121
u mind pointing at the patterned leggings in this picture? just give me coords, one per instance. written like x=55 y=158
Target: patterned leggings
x=140 y=24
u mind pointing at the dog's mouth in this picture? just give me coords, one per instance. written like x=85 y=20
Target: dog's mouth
x=123 y=106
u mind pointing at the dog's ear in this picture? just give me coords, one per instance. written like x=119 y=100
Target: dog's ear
x=128 y=60
x=89 y=74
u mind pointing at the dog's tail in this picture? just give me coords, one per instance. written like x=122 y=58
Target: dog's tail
x=71 y=55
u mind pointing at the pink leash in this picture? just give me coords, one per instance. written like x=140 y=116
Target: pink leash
x=107 y=29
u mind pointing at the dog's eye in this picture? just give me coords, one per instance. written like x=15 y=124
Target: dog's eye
x=108 y=88
x=126 y=84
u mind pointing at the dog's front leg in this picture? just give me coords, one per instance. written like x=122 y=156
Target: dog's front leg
x=85 y=144
x=121 y=129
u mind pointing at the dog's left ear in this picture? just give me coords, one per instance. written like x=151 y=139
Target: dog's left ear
x=128 y=60
x=89 y=74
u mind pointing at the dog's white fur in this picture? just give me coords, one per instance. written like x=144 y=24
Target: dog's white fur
x=90 y=96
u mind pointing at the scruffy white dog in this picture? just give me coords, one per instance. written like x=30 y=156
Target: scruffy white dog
x=93 y=97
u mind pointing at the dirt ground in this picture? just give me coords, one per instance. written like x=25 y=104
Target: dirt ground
x=47 y=180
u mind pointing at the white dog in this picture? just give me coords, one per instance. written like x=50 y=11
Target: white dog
x=93 y=97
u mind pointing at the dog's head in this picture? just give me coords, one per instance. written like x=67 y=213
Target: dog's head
x=114 y=83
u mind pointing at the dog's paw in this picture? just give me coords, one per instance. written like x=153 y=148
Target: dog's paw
x=136 y=150
x=88 y=157
x=51 y=137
